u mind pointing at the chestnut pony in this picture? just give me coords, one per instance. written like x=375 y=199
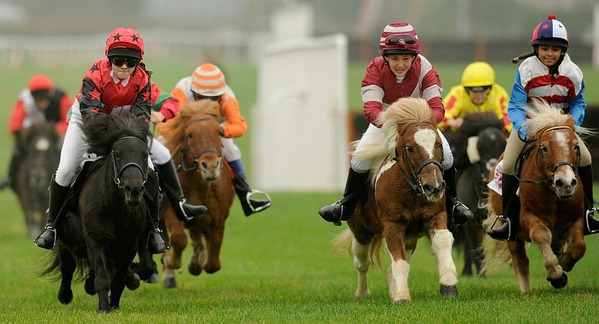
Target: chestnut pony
x=551 y=198
x=405 y=202
x=194 y=142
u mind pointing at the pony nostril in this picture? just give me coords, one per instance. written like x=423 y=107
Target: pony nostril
x=574 y=182
x=559 y=183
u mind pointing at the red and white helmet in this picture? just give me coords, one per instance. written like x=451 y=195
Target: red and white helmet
x=399 y=38
x=550 y=32
x=125 y=41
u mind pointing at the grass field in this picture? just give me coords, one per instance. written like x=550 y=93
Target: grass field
x=278 y=266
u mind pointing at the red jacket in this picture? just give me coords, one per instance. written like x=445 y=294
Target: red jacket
x=100 y=93
x=380 y=88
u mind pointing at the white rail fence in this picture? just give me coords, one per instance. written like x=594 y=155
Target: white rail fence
x=159 y=43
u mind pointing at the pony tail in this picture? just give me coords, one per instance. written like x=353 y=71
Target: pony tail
x=522 y=57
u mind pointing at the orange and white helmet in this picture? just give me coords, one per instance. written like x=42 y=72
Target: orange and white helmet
x=208 y=80
x=125 y=41
x=399 y=38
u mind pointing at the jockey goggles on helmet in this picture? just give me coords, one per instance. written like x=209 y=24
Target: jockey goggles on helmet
x=119 y=60
x=478 y=89
x=198 y=96
x=401 y=40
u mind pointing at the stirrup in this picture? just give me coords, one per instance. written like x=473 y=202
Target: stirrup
x=47 y=230
x=507 y=222
x=183 y=213
x=337 y=221
x=266 y=199
x=157 y=247
x=590 y=215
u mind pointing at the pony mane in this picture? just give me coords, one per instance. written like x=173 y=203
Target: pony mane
x=101 y=130
x=402 y=113
x=176 y=126
x=543 y=115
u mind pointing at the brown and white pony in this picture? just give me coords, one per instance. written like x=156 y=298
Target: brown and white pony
x=406 y=200
x=194 y=142
x=551 y=198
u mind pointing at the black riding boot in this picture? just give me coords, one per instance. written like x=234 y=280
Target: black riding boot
x=511 y=210
x=58 y=194
x=344 y=208
x=591 y=225
x=244 y=192
x=169 y=181
x=457 y=211
x=155 y=243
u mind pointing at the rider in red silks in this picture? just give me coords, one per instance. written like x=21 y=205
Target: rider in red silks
x=119 y=82
x=40 y=102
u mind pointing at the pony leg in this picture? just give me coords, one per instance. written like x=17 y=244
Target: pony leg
x=399 y=269
x=541 y=237
x=171 y=259
x=207 y=256
x=361 y=263
x=576 y=247
x=67 y=268
x=442 y=242
x=97 y=261
x=520 y=263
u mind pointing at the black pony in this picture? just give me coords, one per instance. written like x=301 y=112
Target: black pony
x=107 y=225
x=37 y=150
x=476 y=146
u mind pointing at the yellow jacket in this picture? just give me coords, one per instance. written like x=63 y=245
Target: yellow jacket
x=458 y=104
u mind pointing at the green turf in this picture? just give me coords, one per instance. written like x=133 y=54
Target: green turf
x=277 y=266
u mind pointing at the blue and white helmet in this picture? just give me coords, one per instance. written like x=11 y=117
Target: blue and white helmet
x=550 y=32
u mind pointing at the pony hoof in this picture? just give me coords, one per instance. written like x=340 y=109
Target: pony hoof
x=170 y=283
x=90 y=289
x=449 y=291
x=65 y=296
x=194 y=269
x=560 y=282
x=133 y=282
x=152 y=280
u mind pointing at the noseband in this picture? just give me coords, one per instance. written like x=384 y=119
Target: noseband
x=117 y=174
x=416 y=184
x=195 y=157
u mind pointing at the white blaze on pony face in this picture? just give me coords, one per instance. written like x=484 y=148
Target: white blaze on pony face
x=564 y=178
x=426 y=139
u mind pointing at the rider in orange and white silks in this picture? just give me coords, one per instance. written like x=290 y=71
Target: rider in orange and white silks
x=208 y=82
x=401 y=71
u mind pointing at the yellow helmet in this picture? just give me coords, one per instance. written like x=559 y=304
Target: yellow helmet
x=478 y=74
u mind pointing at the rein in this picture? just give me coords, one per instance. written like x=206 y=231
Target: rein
x=117 y=174
x=417 y=184
x=195 y=157
x=552 y=168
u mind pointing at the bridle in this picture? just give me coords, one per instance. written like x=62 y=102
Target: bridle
x=195 y=157
x=119 y=171
x=416 y=185
x=553 y=168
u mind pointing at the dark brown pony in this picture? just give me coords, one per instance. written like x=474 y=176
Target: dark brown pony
x=406 y=200
x=38 y=151
x=551 y=199
x=194 y=142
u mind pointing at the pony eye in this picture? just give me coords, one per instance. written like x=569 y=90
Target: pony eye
x=544 y=149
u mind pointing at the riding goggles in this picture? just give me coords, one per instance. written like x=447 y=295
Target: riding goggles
x=478 y=89
x=400 y=40
x=120 y=60
x=198 y=96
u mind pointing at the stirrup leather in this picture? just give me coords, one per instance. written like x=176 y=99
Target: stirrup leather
x=265 y=198
x=589 y=214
